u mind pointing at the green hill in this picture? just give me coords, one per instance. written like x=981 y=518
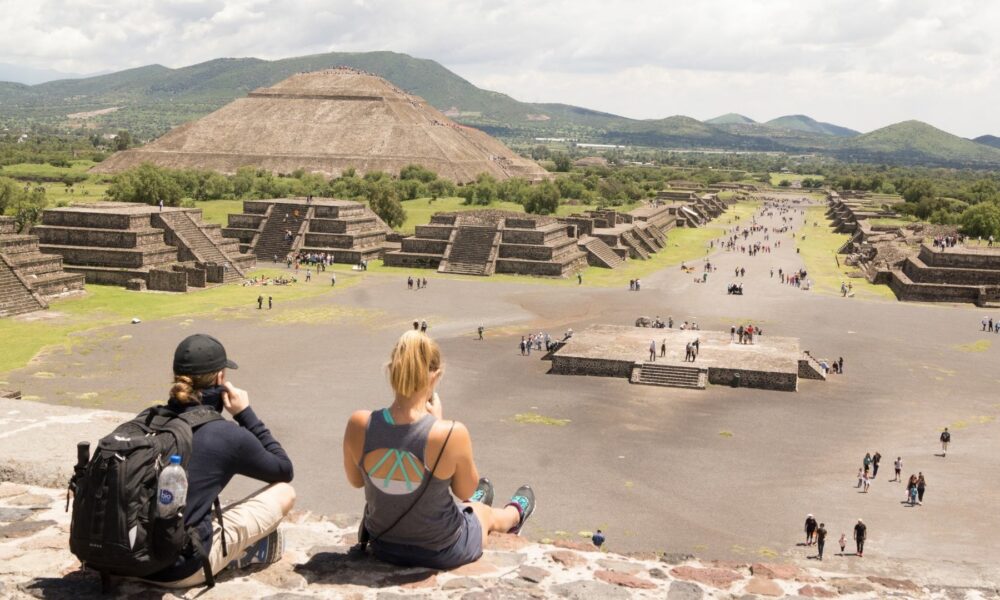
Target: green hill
x=917 y=142
x=730 y=119
x=810 y=125
x=150 y=100
x=988 y=140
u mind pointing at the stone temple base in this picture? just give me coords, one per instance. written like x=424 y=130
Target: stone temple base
x=771 y=363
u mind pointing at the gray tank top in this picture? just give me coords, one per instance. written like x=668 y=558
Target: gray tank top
x=434 y=522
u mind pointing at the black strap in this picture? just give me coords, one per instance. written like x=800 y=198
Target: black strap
x=222 y=527
x=364 y=537
x=194 y=539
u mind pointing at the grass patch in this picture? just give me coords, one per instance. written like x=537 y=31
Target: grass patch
x=777 y=178
x=105 y=306
x=819 y=253
x=726 y=434
x=891 y=222
x=35 y=171
x=218 y=211
x=531 y=418
x=977 y=346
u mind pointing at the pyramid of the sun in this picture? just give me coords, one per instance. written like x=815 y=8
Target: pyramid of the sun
x=326 y=122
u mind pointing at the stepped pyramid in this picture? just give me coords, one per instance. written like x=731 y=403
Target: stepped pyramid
x=28 y=278
x=325 y=122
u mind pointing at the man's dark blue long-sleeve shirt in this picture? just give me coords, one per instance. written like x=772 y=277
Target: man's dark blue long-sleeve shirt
x=222 y=449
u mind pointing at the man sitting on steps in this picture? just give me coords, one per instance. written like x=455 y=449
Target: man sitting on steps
x=220 y=450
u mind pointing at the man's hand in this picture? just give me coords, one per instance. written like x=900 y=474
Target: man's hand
x=234 y=399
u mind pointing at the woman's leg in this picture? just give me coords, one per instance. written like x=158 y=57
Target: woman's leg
x=494 y=519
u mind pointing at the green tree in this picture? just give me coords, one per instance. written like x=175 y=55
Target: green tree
x=27 y=207
x=440 y=188
x=9 y=191
x=123 y=140
x=983 y=190
x=983 y=219
x=562 y=162
x=915 y=190
x=147 y=184
x=384 y=202
x=542 y=199
x=417 y=172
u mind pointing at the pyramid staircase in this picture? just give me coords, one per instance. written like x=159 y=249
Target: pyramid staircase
x=471 y=251
x=667 y=375
x=271 y=241
x=15 y=295
x=599 y=253
x=27 y=276
x=647 y=242
x=204 y=249
x=636 y=249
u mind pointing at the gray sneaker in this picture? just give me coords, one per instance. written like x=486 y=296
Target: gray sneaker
x=524 y=501
x=483 y=493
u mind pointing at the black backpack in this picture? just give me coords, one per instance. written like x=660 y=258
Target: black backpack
x=115 y=528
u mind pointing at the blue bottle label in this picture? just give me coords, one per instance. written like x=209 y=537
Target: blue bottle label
x=166 y=497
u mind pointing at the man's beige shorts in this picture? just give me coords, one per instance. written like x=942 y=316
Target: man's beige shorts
x=246 y=522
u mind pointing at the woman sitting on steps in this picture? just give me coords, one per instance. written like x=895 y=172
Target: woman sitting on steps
x=411 y=462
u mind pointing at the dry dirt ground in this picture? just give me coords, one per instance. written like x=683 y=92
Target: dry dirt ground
x=722 y=473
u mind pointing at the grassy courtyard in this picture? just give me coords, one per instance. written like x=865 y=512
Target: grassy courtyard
x=105 y=306
x=819 y=253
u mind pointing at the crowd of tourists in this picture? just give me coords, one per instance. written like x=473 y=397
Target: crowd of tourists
x=535 y=341
x=416 y=283
x=744 y=334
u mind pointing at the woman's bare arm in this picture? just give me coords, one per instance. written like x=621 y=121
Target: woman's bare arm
x=354 y=442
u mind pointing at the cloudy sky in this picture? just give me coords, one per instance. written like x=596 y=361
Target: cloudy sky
x=858 y=63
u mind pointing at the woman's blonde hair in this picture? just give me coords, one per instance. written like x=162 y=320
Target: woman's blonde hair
x=187 y=388
x=412 y=360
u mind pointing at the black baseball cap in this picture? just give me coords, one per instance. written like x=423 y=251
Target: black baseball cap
x=199 y=354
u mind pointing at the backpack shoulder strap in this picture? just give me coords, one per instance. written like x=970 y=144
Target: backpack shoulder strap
x=199 y=416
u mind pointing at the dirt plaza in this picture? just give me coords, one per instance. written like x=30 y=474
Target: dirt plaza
x=721 y=472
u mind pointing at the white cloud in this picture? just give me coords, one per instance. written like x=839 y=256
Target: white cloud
x=860 y=63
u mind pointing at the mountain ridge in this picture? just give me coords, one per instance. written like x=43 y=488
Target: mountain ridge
x=152 y=99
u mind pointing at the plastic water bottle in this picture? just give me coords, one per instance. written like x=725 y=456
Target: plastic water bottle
x=172 y=489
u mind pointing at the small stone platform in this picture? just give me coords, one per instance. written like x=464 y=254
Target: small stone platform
x=772 y=363
x=28 y=278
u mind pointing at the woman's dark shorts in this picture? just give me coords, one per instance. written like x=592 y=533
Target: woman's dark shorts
x=466 y=549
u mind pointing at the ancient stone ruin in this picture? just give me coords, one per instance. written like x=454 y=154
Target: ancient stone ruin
x=141 y=247
x=483 y=242
x=771 y=363
x=327 y=122
x=900 y=257
x=28 y=278
x=271 y=230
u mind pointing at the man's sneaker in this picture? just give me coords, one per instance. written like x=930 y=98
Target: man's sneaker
x=483 y=493
x=265 y=551
x=524 y=501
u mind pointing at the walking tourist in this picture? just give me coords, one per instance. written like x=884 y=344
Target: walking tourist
x=412 y=518
x=843 y=543
x=333 y=280
x=861 y=477
x=810 y=529
x=248 y=530
x=480 y=330
x=260 y=302
x=598 y=539
x=945 y=440
x=663 y=348
x=820 y=539
x=860 y=534
x=867 y=462
x=423 y=326
x=270 y=303
x=866 y=481
x=652 y=350
x=898 y=467
x=921 y=487
x=523 y=345
x=876 y=459
x=911 y=490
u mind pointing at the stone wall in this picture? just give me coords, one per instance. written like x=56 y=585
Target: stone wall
x=433 y=232
x=960 y=260
x=245 y=221
x=525 y=252
x=570 y=365
x=919 y=273
x=167 y=281
x=95 y=219
x=424 y=246
x=195 y=276
x=523 y=236
x=782 y=382
x=931 y=292
x=123 y=258
x=105 y=238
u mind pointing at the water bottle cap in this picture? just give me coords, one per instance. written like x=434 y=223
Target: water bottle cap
x=175 y=459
